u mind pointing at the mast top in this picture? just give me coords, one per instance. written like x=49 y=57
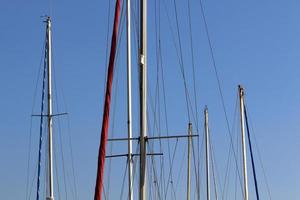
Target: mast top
x=241 y=90
x=205 y=109
x=47 y=20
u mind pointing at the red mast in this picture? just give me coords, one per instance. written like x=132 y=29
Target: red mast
x=105 y=122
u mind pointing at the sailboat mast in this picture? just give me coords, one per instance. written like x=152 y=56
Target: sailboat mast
x=49 y=69
x=143 y=98
x=188 y=197
x=207 y=145
x=130 y=169
x=241 y=95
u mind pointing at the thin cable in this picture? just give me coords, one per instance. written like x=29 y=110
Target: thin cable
x=214 y=167
x=193 y=64
x=260 y=157
x=181 y=60
x=115 y=97
x=71 y=148
x=123 y=182
x=59 y=132
x=195 y=94
x=32 y=110
x=219 y=84
x=170 y=178
x=251 y=153
x=165 y=105
x=41 y=128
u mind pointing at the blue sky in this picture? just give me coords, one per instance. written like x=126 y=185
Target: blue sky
x=256 y=43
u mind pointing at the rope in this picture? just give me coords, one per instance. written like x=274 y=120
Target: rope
x=251 y=153
x=32 y=110
x=260 y=158
x=41 y=127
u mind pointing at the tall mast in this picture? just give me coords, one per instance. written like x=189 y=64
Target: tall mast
x=143 y=98
x=49 y=69
x=188 y=194
x=130 y=177
x=207 y=145
x=241 y=95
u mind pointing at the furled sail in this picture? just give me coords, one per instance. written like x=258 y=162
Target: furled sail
x=105 y=120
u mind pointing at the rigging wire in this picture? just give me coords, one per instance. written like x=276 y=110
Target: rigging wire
x=70 y=146
x=149 y=130
x=251 y=153
x=195 y=94
x=123 y=182
x=181 y=60
x=225 y=184
x=193 y=64
x=106 y=196
x=214 y=167
x=156 y=180
x=170 y=179
x=32 y=182
x=219 y=85
x=181 y=167
x=259 y=155
x=59 y=130
x=32 y=111
x=41 y=127
x=181 y=63
x=72 y=158
x=179 y=55
x=160 y=64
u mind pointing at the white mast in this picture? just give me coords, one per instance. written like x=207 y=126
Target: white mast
x=130 y=177
x=49 y=62
x=188 y=197
x=241 y=95
x=207 y=145
x=143 y=98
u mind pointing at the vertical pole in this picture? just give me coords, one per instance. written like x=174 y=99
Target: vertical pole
x=188 y=197
x=49 y=60
x=207 y=146
x=130 y=192
x=241 y=95
x=143 y=97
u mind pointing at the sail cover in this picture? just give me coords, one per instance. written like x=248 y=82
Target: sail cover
x=105 y=122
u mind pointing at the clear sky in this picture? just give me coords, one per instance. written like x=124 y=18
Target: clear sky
x=256 y=43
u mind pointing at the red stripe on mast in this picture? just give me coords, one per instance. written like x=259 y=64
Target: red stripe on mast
x=105 y=122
